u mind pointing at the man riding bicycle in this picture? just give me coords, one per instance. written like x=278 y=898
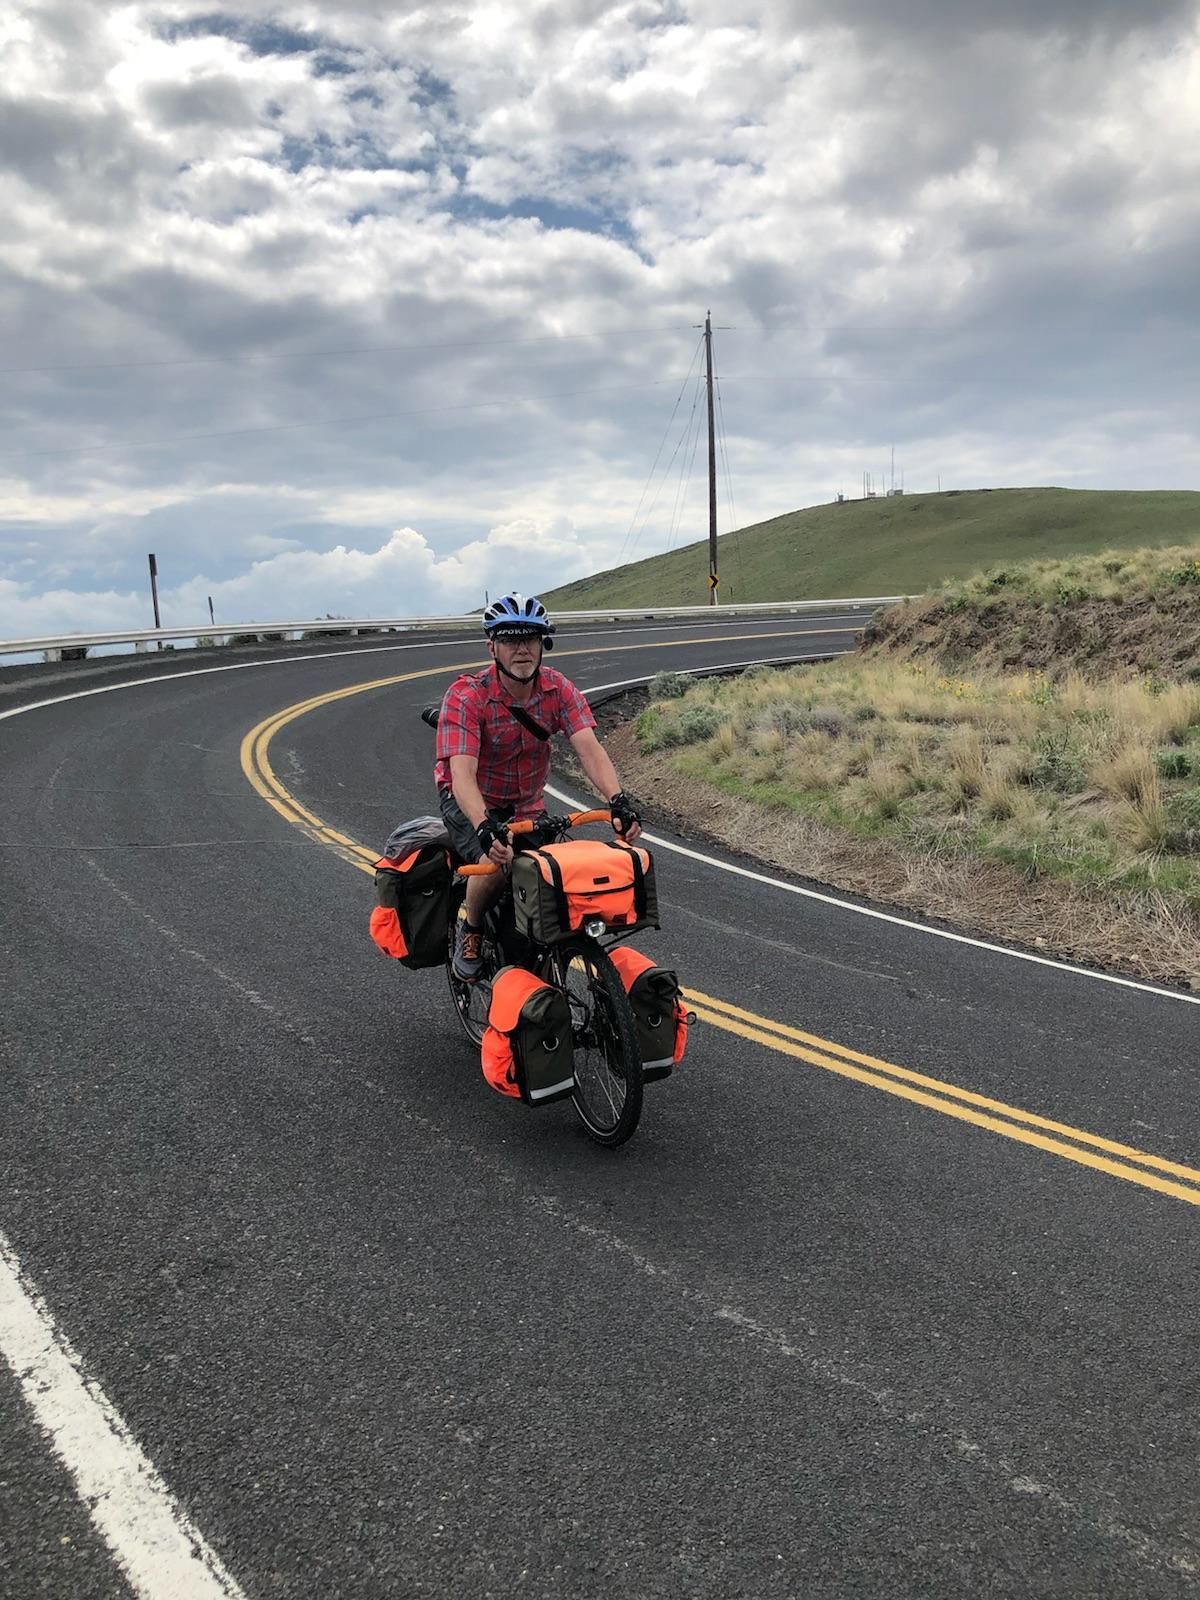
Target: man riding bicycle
x=493 y=753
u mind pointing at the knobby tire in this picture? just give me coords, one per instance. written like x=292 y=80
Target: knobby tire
x=607 y=1030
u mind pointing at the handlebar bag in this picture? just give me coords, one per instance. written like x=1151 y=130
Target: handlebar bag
x=560 y=887
x=414 y=893
x=658 y=1009
x=527 y=1047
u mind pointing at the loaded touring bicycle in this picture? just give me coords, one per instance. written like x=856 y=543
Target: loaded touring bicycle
x=562 y=1007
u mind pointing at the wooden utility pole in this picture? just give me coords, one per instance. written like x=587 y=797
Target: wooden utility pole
x=713 y=580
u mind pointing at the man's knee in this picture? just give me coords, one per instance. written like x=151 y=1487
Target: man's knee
x=482 y=891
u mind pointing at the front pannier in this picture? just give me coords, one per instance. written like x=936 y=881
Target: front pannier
x=559 y=888
x=658 y=1010
x=413 y=913
x=527 y=1047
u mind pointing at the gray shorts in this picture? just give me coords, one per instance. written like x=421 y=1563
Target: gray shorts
x=463 y=839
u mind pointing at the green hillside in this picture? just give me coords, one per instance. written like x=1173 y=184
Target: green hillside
x=902 y=545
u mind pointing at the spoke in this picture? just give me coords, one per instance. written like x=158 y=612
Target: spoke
x=604 y=1074
x=596 y=1080
x=605 y=1082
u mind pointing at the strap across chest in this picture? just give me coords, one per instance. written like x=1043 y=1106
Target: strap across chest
x=530 y=724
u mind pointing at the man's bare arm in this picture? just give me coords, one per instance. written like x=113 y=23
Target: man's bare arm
x=597 y=764
x=465 y=788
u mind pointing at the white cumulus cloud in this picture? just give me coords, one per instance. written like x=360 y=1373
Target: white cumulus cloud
x=281 y=281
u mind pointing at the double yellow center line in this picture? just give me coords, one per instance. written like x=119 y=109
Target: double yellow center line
x=934 y=1094
x=1057 y=1138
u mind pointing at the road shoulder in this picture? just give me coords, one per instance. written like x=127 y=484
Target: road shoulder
x=982 y=898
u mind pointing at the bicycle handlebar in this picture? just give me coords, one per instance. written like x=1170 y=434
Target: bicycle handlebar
x=577 y=819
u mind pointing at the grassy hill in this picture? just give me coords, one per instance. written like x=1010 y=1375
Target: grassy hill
x=903 y=545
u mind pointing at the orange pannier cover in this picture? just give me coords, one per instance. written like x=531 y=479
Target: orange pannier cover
x=631 y=965
x=512 y=988
x=593 y=878
x=387 y=932
x=510 y=991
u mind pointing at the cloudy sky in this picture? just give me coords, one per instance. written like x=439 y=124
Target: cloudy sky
x=364 y=309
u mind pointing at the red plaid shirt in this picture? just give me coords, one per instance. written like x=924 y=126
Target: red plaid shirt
x=513 y=763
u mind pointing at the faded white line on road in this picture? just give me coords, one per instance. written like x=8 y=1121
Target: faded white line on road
x=154 y=1542
x=929 y=1421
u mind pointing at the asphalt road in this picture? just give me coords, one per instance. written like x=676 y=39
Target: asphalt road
x=382 y=1333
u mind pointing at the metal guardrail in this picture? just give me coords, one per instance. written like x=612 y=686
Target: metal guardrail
x=333 y=627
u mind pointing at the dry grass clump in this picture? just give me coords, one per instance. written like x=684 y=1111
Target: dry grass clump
x=1076 y=779
x=1000 y=793
x=1165 y=716
x=966 y=766
x=886 y=784
x=1129 y=774
x=767 y=741
x=1142 y=824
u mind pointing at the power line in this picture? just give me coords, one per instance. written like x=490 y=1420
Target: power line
x=684 y=439
x=658 y=453
x=344 y=350
x=344 y=422
x=689 y=461
x=769 y=331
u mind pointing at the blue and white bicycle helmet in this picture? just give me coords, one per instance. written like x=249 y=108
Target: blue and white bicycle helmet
x=516 y=614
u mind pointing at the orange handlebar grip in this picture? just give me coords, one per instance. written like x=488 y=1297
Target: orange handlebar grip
x=528 y=825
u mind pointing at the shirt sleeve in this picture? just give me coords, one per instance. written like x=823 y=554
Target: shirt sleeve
x=575 y=715
x=458 y=722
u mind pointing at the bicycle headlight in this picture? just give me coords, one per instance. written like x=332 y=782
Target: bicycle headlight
x=595 y=926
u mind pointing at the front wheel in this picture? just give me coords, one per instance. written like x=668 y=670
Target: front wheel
x=608 y=1062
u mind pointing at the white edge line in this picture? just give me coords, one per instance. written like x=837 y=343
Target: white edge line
x=328 y=655
x=154 y=1542
x=203 y=672
x=848 y=905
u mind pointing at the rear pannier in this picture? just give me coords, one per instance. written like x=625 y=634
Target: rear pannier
x=557 y=889
x=413 y=913
x=658 y=1009
x=527 y=1048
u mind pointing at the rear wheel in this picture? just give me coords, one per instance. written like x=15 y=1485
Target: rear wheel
x=471 y=1000
x=608 y=1062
